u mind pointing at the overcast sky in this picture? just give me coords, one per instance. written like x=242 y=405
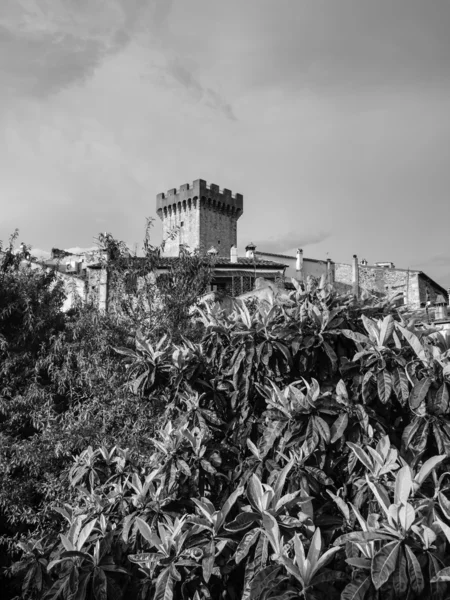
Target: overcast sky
x=332 y=117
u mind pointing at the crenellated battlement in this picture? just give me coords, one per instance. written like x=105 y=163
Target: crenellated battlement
x=199 y=215
x=199 y=193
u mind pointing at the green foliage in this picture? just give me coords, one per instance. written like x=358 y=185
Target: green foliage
x=296 y=450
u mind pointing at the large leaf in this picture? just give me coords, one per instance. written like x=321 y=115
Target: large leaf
x=255 y=492
x=400 y=577
x=384 y=563
x=322 y=428
x=361 y=455
x=427 y=467
x=338 y=428
x=164 y=585
x=415 y=572
x=401 y=385
x=281 y=480
x=271 y=433
x=272 y=531
x=357 y=589
x=442 y=575
x=85 y=533
x=146 y=532
x=263 y=580
x=387 y=328
x=419 y=392
x=331 y=355
x=362 y=537
x=342 y=505
x=99 y=584
x=245 y=544
x=371 y=328
x=208 y=560
x=439 y=404
x=312 y=439
x=384 y=384
x=355 y=336
x=415 y=343
x=403 y=485
x=223 y=513
x=406 y=516
x=242 y=521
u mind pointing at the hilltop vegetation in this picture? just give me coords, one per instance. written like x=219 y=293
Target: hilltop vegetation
x=297 y=448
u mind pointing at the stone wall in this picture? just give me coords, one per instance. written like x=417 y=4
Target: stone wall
x=218 y=228
x=413 y=285
x=200 y=216
x=378 y=280
x=424 y=286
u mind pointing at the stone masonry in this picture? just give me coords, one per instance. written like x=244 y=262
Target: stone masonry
x=415 y=287
x=412 y=288
x=199 y=216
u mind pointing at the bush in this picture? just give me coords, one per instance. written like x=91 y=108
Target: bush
x=302 y=453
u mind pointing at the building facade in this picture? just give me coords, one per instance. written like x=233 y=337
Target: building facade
x=409 y=287
x=199 y=216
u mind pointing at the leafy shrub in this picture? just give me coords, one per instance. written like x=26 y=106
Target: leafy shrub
x=301 y=453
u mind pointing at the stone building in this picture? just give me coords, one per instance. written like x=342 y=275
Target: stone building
x=202 y=216
x=199 y=216
x=410 y=287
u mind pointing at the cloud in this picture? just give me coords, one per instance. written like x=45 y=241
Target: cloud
x=180 y=74
x=345 y=46
x=280 y=244
x=46 y=46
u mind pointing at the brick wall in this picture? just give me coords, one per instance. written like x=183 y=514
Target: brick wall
x=217 y=228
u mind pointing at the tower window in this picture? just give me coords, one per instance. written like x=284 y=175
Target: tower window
x=182 y=223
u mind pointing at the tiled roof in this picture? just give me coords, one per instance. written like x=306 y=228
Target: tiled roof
x=223 y=262
x=219 y=262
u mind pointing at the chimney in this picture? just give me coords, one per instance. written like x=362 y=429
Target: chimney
x=355 y=276
x=330 y=274
x=440 y=311
x=233 y=254
x=299 y=264
x=250 y=250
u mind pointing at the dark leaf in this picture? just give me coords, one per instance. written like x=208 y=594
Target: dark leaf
x=400 y=577
x=415 y=572
x=245 y=544
x=419 y=392
x=242 y=521
x=263 y=580
x=439 y=404
x=384 y=562
x=357 y=589
x=338 y=427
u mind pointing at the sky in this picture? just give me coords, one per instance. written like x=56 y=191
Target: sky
x=331 y=117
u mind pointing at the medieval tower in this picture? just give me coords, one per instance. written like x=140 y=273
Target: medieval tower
x=199 y=216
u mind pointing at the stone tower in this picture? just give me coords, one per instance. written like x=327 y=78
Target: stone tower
x=199 y=215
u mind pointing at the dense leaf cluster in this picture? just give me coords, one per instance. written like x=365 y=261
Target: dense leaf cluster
x=301 y=451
